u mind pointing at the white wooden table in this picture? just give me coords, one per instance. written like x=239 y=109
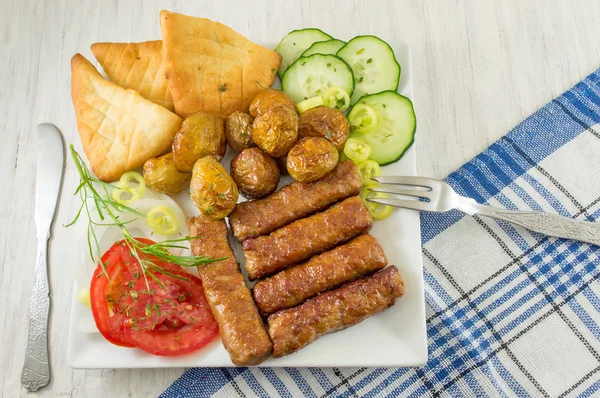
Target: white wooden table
x=480 y=67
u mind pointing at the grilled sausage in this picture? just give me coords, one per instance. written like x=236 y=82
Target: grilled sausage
x=303 y=238
x=295 y=328
x=294 y=201
x=242 y=330
x=358 y=258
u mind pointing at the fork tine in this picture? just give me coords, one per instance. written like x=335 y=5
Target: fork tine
x=407 y=180
x=407 y=204
x=417 y=193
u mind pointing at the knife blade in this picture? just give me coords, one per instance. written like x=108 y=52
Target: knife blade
x=50 y=163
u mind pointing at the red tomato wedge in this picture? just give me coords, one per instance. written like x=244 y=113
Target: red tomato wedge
x=167 y=318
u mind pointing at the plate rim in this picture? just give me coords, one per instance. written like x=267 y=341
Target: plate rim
x=74 y=359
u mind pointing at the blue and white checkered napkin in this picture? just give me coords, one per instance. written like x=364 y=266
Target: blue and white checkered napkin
x=509 y=312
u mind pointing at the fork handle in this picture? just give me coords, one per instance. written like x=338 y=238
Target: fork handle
x=546 y=223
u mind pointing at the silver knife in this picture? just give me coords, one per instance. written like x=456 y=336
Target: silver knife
x=50 y=162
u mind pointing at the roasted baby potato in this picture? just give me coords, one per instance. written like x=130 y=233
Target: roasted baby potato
x=201 y=134
x=255 y=173
x=276 y=130
x=238 y=131
x=325 y=122
x=268 y=98
x=212 y=190
x=161 y=175
x=311 y=159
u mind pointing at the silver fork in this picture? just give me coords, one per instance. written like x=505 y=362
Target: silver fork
x=440 y=197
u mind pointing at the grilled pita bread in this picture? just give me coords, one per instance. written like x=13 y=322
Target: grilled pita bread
x=119 y=128
x=212 y=68
x=138 y=66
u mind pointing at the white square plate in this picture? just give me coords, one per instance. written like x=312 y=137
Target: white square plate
x=395 y=337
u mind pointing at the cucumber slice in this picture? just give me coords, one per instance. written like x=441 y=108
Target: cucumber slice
x=395 y=131
x=295 y=43
x=374 y=65
x=310 y=76
x=324 y=47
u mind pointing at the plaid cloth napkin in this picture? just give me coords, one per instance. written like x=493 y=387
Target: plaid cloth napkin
x=509 y=312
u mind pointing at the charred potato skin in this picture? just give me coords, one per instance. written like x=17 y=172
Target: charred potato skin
x=238 y=131
x=325 y=122
x=311 y=159
x=255 y=173
x=201 y=134
x=276 y=130
x=268 y=98
x=161 y=175
x=212 y=190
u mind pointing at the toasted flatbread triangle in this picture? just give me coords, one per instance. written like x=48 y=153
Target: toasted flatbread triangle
x=119 y=129
x=212 y=68
x=138 y=66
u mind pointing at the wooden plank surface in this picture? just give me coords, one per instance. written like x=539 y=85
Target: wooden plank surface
x=480 y=67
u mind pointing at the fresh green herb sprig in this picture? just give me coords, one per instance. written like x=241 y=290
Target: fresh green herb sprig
x=108 y=209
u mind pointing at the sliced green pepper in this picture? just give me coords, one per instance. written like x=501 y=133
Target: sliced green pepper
x=357 y=149
x=367 y=170
x=124 y=186
x=337 y=98
x=309 y=104
x=377 y=211
x=362 y=119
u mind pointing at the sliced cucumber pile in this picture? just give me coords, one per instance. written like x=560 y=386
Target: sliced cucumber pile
x=295 y=43
x=324 y=47
x=364 y=70
x=373 y=63
x=396 y=125
x=310 y=76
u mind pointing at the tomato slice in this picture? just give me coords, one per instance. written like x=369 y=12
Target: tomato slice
x=172 y=321
x=106 y=294
x=133 y=311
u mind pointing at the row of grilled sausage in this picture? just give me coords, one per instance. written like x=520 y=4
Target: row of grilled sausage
x=303 y=254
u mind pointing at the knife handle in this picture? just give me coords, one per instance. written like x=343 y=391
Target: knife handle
x=36 y=369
